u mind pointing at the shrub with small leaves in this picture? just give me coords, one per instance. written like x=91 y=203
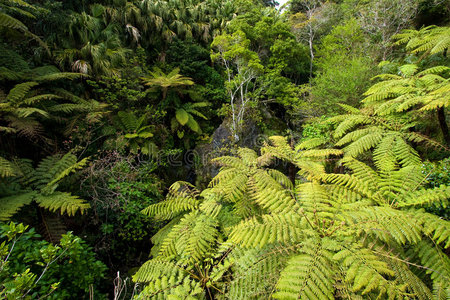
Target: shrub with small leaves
x=31 y=268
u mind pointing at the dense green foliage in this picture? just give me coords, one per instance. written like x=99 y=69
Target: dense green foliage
x=234 y=149
x=31 y=268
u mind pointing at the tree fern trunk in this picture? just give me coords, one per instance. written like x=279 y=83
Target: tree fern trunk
x=443 y=124
x=51 y=227
x=292 y=170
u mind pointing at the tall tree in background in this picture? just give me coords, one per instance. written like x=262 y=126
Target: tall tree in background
x=242 y=67
x=343 y=69
x=384 y=18
x=193 y=19
x=309 y=18
x=93 y=44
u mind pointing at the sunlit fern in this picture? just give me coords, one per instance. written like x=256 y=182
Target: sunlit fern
x=344 y=235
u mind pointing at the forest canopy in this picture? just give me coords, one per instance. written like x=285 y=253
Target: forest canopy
x=232 y=149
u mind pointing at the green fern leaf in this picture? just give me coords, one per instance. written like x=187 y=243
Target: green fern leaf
x=10 y=22
x=6 y=168
x=19 y=91
x=282 y=228
x=64 y=202
x=308 y=275
x=11 y=205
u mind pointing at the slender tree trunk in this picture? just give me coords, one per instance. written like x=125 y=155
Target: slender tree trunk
x=311 y=51
x=443 y=124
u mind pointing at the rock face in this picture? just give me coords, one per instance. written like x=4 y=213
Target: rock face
x=221 y=137
x=222 y=143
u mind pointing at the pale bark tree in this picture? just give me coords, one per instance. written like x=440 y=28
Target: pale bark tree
x=385 y=18
x=243 y=69
x=307 y=23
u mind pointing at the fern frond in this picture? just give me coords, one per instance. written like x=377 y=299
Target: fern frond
x=39 y=98
x=363 y=172
x=10 y=22
x=420 y=138
x=161 y=235
x=310 y=143
x=129 y=120
x=319 y=153
x=357 y=134
x=422 y=197
x=155 y=269
x=350 y=122
x=434 y=70
x=202 y=237
x=279 y=148
x=436 y=103
x=53 y=167
x=348 y=108
x=27 y=127
x=26 y=112
x=406 y=154
x=59 y=175
x=193 y=237
x=437 y=265
x=69 y=108
x=308 y=275
x=231 y=184
x=350 y=182
x=367 y=272
x=310 y=170
x=417 y=288
x=363 y=144
x=182 y=197
x=387 y=224
x=230 y=162
x=431 y=39
x=274 y=200
x=168 y=209
x=10 y=205
x=383 y=155
x=314 y=199
x=255 y=271
x=269 y=229
x=7 y=74
x=6 y=168
x=211 y=205
x=436 y=228
x=172 y=288
x=19 y=91
x=248 y=156
x=64 y=202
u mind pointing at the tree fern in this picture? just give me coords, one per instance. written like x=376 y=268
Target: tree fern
x=39 y=185
x=29 y=103
x=11 y=204
x=389 y=137
x=430 y=39
x=6 y=168
x=10 y=22
x=182 y=197
x=14 y=24
x=404 y=273
x=355 y=235
x=271 y=229
x=255 y=271
x=137 y=132
x=307 y=275
x=437 y=265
